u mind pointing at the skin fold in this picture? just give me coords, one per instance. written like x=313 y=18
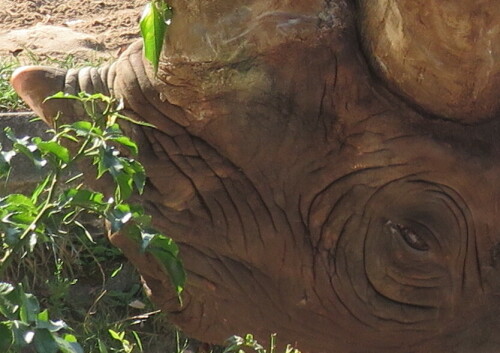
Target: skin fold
x=314 y=188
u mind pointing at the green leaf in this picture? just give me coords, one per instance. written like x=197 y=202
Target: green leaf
x=10 y=134
x=31 y=151
x=124 y=182
x=85 y=128
x=102 y=346
x=52 y=326
x=166 y=251
x=12 y=236
x=138 y=340
x=6 y=337
x=53 y=148
x=26 y=302
x=113 y=131
x=23 y=219
x=119 y=336
x=24 y=146
x=29 y=306
x=153 y=28
x=5 y=158
x=43 y=316
x=9 y=300
x=45 y=342
x=5 y=288
x=70 y=338
x=18 y=200
x=87 y=97
x=62 y=95
x=22 y=334
x=84 y=198
x=127 y=142
x=139 y=174
x=68 y=344
x=119 y=216
x=115 y=272
x=109 y=161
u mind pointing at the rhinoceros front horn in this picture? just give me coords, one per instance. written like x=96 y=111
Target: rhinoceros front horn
x=443 y=56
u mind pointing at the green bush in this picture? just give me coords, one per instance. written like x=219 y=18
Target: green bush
x=59 y=203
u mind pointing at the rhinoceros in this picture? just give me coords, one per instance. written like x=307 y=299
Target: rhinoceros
x=330 y=169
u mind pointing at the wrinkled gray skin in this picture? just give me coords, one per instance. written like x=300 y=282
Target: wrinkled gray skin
x=330 y=169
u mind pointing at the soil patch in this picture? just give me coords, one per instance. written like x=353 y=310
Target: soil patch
x=110 y=26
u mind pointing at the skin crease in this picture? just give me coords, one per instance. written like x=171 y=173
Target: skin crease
x=306 y=197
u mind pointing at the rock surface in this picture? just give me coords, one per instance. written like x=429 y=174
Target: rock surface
x=53 y=41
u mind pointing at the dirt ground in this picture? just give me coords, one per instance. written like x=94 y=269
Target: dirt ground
x=82 y=26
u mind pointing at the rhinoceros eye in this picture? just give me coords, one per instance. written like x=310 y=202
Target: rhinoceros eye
x=412 y=238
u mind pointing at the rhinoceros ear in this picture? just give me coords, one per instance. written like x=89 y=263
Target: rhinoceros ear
x=35 y=84
x=441 y=55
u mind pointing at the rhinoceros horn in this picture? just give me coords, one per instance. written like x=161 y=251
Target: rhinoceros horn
x=444 y=56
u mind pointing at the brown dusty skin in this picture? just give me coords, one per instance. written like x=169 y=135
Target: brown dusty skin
x=308 y=199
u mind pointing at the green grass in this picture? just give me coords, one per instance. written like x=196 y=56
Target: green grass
x=9 y=100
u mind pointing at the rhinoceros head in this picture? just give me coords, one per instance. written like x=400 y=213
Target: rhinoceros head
x=330 y=169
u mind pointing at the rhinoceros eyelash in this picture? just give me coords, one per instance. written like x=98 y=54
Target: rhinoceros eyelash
x=410 y=237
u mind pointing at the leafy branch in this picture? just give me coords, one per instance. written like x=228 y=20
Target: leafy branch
x=59 y=200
